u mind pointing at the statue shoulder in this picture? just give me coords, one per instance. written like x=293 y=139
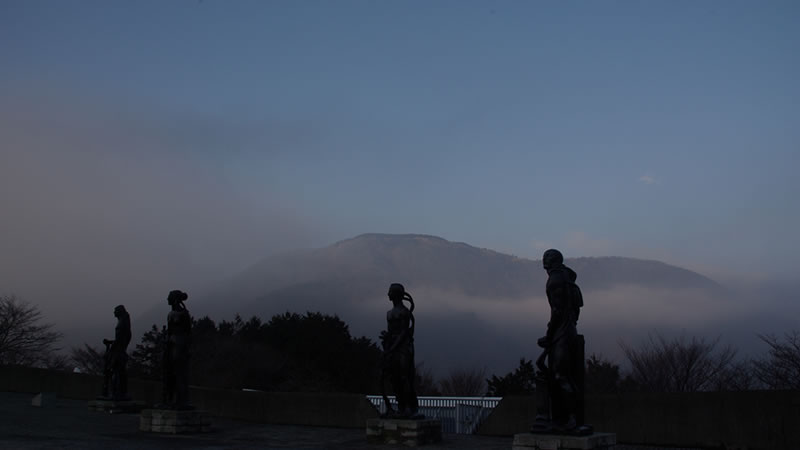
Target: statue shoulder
x=178 y=316
x=556 y=279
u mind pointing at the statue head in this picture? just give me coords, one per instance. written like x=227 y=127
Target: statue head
x=177 y=297
x=552 y=258
x=119 y=311
x=396 y=291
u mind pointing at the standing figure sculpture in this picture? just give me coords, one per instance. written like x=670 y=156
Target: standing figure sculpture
x=176 y=353
x=559 y=381
x=397 y=363
x=115 y=371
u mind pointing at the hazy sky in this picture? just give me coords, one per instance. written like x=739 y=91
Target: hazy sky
x=174 y=140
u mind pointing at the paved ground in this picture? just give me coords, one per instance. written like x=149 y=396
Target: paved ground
x=69 y=424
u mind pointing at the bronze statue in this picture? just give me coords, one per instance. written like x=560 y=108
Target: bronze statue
x=397 y=363
x=559 y=382
x=115 y=370
x=176 y=353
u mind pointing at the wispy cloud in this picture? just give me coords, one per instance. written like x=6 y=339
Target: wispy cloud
x=541 y=246
x=585 y=245
x=648 y=179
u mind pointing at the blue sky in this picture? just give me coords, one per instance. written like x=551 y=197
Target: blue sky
x=663 y=130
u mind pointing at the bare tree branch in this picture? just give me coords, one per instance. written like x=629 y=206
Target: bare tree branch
x=781 y=368
x=464 y=382
x=678 y=365
x=24 y=340
x=88 y=359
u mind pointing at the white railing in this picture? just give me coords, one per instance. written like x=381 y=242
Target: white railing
x=461 y=415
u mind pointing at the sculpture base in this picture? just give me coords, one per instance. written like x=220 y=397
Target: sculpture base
x=43 y=399
x=408 y=432
x=530 y=441
x=174 y=421
x=116 y=406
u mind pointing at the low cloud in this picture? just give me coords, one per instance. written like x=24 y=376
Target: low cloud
x=496 y=332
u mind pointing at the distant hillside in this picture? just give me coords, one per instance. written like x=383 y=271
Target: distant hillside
x=474 y=305
x=365 y=265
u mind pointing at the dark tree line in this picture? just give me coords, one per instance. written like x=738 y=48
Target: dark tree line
x=521 y=380
x=601 y=376
x=290 y=352
x=315 y=352
x=312 y=352
x=680 y=364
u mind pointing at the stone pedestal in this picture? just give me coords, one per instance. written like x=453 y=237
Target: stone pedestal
x=530 y=441
x=116 y=406
x=408 y=432
x=44 y=399
x=174 y=421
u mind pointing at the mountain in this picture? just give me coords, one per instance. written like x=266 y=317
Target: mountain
x=474 y=306
x=364 y=266
x=424 y=260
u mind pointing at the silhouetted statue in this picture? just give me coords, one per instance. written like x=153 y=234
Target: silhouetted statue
x=398 y=356
x=176 y=353
x=559 y=382
x=115 y=369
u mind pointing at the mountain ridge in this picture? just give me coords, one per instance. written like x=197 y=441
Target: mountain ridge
x=366 y=262
x=474 y=305
x=477 y=307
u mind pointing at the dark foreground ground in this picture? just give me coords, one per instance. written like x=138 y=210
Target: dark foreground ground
x=69 y=424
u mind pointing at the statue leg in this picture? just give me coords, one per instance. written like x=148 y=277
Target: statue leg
x=120 y=378
x=182 y=378
x=106 y=374
x=564 y=414
x=562 y=390
x=115 y=384
x=578 y=374
x=168 y=387
x=399 y=387
x=123 y=383
x=115 y=377
x=106 y=383
x=411 y=392
x=396 y=373
x=542 y=397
